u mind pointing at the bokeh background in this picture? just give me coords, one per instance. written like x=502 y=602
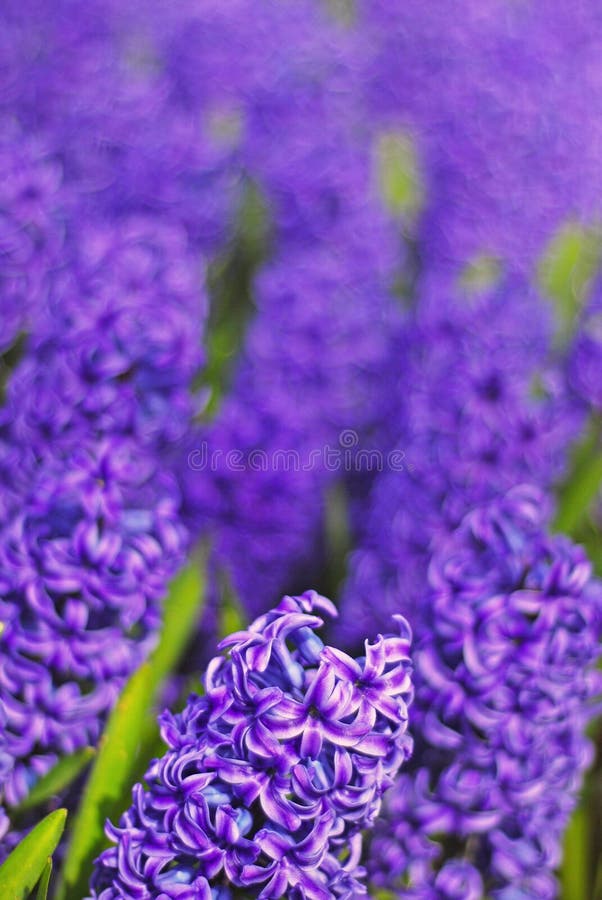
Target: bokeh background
x=305 y=282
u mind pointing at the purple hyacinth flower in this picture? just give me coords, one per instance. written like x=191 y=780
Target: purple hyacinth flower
x=242 y=798
x=493 y=101
x=505 y=655
x=100 y=360
x=32 y=210
x=86 y=558
x=470 y=427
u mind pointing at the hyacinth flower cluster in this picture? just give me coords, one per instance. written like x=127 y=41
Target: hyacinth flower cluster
x=91 y=81
x=480 y=411
x=85 y=562
x=492 y=102
x=323 y=328
x=92 y=528
x=505 y=685
x=91 y=509
x=268 y=509
x=31 y=227
x=100 y=360
x=169 y=112
x=92 y=532
x=273 y=773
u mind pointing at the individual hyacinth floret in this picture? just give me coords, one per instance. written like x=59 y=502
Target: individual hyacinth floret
x=505 y=686
x=272 y=774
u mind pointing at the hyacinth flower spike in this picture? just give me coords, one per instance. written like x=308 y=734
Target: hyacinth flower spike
x=273 y=774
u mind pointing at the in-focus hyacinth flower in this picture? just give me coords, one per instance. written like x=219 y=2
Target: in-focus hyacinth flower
x=505 y=685
x=85 y=562
x=272 y=774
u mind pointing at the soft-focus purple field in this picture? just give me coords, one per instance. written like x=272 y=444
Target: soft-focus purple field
x=300 y=299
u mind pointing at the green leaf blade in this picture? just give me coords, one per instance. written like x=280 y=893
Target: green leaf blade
x=576 y=862
x=566 y=273
x=109 y=777
x=579 y=490
x=398 y=174
x=58 y=778
x=118 y=759
x=180 y=613
x=28 y=862
x=44 y=883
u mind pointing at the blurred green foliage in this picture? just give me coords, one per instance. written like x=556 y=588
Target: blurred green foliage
x=232 y=617
x=480 y=274
x=579 y=491
x=566 y=272
x=230 y=285
x=398 y=174
x=57 y=779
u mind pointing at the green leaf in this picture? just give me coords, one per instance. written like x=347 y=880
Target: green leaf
x=127 y=732
x=576 y=862
x=337 y=536
x=597 y=894
x=480 y=273
x=566 y=271
x=231 y=305
x=580 y=489
x=28 y=862
x=588 y=535
x=343 y=11
x=9 y=359
x=58 y=778
x=42 y=892
x=109 y=778
x=398 y=174
x=180 y=614
x=232 y=614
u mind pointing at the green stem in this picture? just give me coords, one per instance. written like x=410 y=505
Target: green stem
x=576 y=861
x=578 y=492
